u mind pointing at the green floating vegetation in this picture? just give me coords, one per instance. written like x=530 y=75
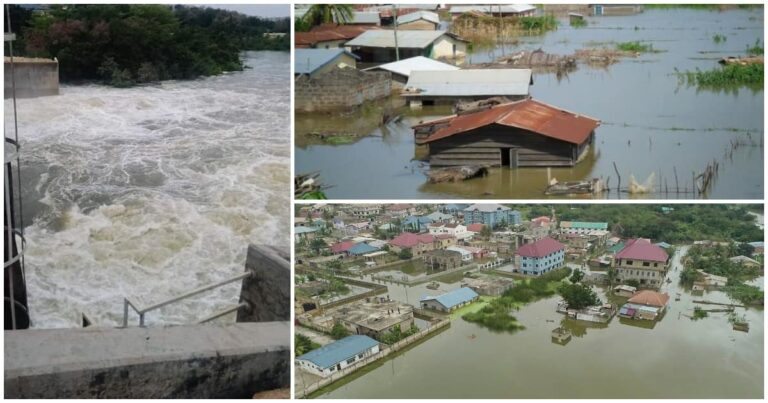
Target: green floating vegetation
x=539 y=23
x=756 y=49
x=719 y=38
x=746 y=294
x=634 y=46
x=699 y=313
x=496 y=315
x=728 y=75
x=579 y=23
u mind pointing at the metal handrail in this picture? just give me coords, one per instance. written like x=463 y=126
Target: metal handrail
x=144 y=310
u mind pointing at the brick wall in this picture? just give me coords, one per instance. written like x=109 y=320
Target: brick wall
x=340 y=89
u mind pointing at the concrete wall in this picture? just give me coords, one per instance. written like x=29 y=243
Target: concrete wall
x=34 y=77
x=340 y=89
x=195 y=361
x=268 y=291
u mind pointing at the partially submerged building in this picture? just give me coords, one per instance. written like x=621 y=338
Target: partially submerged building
x=492 y=286
x=542 y=256
x=329 y=36
x=642 y=261
x=419 y=20
x=338 y=355
x=401 y=70
x=378 y=46
x=646 y=305
x=451 y=300
x=525 y=133
x=313 y=62
x=443 y=259
x=495 y=10
x=447 y=87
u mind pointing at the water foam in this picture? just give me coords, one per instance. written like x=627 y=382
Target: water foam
x=152 y=191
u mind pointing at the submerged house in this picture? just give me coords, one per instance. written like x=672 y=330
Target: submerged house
x=449 y=86
x=401 y=70
x=378 y=46
x=526 y=133
x=451 y=300
x=313 y=62
x=338 y=355
x=646 y=305
x=419 y=20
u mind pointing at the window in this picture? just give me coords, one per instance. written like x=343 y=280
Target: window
x=351 y=360
x=646 y=264
x=629 y=262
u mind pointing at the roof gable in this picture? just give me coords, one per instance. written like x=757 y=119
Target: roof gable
x=528 y=114
x=642 y=249
x=540 y=248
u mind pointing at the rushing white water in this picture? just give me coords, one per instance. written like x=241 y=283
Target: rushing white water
x=152 y=191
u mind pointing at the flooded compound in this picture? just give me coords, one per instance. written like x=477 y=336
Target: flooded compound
x=675 y=357
x=152 y=191
x=655 y=128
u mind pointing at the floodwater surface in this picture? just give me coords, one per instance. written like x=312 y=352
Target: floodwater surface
x=673 y=358
x=152 y=191
x=651 y=123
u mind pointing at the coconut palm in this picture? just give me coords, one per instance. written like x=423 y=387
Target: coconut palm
x=328 y=13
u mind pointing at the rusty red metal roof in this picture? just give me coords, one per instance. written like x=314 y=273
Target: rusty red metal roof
x=540 y=248
x=642 y=249
x=528 y=114
x=329 y=32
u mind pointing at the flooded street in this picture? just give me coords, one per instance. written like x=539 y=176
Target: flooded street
x=152 y=191
x=676 y=358
x=650 y=122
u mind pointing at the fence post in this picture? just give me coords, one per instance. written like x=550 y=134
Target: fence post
x=268 y=290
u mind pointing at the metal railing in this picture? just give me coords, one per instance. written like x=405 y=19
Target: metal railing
x=143 y=310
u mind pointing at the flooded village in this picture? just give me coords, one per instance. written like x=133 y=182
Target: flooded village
x=480 y=300
x=521 y=101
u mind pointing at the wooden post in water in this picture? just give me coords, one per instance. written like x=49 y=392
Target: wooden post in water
x=618 y=187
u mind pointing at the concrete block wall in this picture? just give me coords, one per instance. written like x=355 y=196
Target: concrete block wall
x=340 y=89
x=34 y=77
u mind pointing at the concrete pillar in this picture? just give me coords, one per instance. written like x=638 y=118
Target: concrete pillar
x=268 y=291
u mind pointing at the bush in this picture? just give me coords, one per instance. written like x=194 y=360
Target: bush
x=339 y=331
x=578 y=296
x=405 y=254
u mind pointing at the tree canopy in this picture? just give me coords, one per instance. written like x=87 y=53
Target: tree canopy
x=123 y=44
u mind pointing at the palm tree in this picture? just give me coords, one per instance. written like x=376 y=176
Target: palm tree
x=328 y=13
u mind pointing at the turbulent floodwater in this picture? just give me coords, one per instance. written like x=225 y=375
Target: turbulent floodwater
x=152 y=191
x=651 y=123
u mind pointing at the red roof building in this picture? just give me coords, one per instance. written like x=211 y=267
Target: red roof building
x=516 y=134
x=642 y=249
x=541 y=248
x=408 y=240
x=342 y=247
x=477 y=227
x=650 y=298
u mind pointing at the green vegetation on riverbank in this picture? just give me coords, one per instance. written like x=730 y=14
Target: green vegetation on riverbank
x=127 y=44
x=496 y=315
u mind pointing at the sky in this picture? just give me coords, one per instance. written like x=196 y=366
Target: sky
x=256 y=10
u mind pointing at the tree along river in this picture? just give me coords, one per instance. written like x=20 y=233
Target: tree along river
x=651 y=123
x=673 y=358
x=152 y=191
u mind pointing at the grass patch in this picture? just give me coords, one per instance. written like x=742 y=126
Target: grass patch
x=756 y=49
x=699 y=313
x=719 y=38
x=496 y=314
x=729 y=75
x=634 y=46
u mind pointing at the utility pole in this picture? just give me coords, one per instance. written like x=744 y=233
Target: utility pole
x=394 y=15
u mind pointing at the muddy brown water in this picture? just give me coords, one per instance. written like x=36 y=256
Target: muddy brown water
x=675 y=358
x=651 y=123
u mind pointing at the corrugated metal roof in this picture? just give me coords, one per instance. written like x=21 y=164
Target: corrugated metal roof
x=365 y=17
x=406 y=66
x=650 y=298
x=304 y=230
x=583 y=225
x=540 y=248
x=361 y=249
x=338 y=351
x=455 y=297
x=307 y=61
x=490 y=9
x=418 y=39
x=419 y=15
x=487 y=207
x=642 y=249
x=527 y=114
x=471 y=82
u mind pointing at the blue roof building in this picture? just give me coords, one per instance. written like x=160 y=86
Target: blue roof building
x=361 y=249
x=338 y=355
x=416 y=223
x=450 y=300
